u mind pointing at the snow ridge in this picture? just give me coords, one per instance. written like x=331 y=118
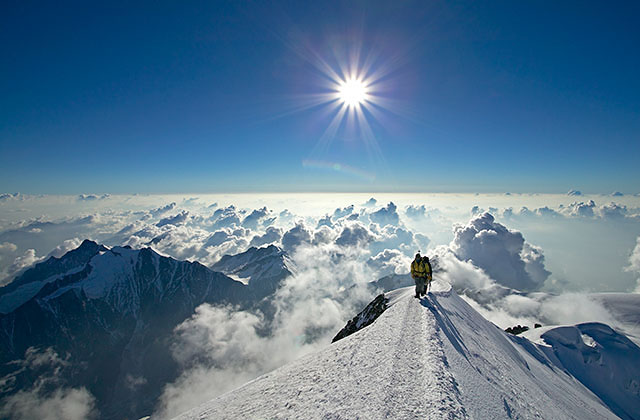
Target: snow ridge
x=433 y=358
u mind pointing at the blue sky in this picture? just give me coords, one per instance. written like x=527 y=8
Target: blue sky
x=208 y=97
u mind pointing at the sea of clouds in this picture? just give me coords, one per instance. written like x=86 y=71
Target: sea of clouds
x=518 y=259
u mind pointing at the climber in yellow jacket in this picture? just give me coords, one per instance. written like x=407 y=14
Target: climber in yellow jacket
x=419 y=274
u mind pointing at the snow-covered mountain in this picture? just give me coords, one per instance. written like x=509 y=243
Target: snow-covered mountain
x=263 y=269
x=26 y=286
x=111 y=314
x=438 y=358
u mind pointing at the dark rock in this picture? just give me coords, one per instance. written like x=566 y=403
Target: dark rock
x=518 y=329
x=364 y=318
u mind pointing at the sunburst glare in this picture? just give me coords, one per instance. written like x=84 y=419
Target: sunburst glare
x=352 y=92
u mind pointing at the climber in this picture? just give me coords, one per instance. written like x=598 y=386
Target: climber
x=419 y=274
x=428 y=274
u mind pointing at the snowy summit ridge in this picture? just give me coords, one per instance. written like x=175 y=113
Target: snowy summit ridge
x=438 y=358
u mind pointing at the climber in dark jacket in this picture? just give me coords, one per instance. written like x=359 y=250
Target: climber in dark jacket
x=428 y=274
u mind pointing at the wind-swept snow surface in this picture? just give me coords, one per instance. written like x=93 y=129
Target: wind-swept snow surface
x=434 y=358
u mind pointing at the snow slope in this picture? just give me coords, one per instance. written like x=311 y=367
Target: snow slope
x=434 y=358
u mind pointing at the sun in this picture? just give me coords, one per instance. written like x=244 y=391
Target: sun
x=352 y=92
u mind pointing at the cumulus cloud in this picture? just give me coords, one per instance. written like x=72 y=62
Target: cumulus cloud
x=324 y=235
x=227 y=216
x=296 y=236
x=48 y=398
x=387 y=215
x=325 y=221
x=272 y=235
x=163 y=209
x=178 y=219
x=343 y=212
x=255 y=217
x=372 y=202
x=355 y=234
x=546 y=211
x=415 y=212
x=389 y=261
x=581 y=209
x=501 y=252
x=612 y=211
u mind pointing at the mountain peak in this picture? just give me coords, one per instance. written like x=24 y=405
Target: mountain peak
x=261 y=268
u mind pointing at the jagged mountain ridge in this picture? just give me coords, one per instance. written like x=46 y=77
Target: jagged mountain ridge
x=261 y=268
x=438 y=358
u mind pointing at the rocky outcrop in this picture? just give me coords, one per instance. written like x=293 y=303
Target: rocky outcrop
x=364 y=318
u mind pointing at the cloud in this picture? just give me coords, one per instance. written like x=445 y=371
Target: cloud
x=28 y=259
x=389 y=261
x=396 y=237
x=219 y=349
x=355 y=234
x=634 y=263
x=92 y=197
x=286 y=216
x=325 y=221
x=271 y=236
x=178 y=219
x=296 y=236
x=501 y=252
x=161 y=210
x=7 y=247
x=65 y=247
x=581 y=209
x=324 y=235
x=254 y=218
x=386 y=215
x=225 y=217
x=612 y=211
x=415 y=212
x=48 y=398
x=546 y=211
x=63 y=403
x=339 y=213
x=372 y=202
